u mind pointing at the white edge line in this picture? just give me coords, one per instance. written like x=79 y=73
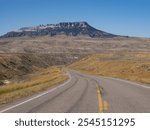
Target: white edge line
x=130 y=82
x=123 y=80
x=40 y=95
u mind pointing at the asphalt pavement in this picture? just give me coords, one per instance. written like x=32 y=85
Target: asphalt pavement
x=86 y=94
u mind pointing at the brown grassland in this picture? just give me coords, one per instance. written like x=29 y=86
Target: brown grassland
x=133 y=66
x=39 y=81
x=21 y=58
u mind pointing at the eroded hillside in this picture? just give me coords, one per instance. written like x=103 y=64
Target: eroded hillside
x=16 y=65
x=21 y=56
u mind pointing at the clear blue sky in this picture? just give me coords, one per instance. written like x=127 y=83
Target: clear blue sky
x=124 y=17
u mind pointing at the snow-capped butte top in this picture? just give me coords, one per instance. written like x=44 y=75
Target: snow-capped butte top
x=62 y=28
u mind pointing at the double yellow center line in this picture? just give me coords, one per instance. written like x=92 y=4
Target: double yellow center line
x=102 y=105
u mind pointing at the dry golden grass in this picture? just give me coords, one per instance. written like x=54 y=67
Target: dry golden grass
x=126 y=65
x=39 y=81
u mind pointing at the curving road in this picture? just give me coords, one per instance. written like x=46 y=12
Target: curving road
x=84 y=93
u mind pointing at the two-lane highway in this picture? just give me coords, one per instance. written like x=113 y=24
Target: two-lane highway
x=79 y=94
x=84 y=93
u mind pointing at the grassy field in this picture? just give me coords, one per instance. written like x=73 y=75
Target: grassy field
x=133 y=66
x=39 y=81
x=114 y=57
x=72 y=45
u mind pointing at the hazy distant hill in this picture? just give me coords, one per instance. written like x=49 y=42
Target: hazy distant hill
x=64 y=28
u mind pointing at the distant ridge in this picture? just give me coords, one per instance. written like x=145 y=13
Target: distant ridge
x=63 y=28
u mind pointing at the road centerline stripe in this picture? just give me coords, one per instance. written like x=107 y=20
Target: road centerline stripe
x=100 y=101
x=105 y=106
